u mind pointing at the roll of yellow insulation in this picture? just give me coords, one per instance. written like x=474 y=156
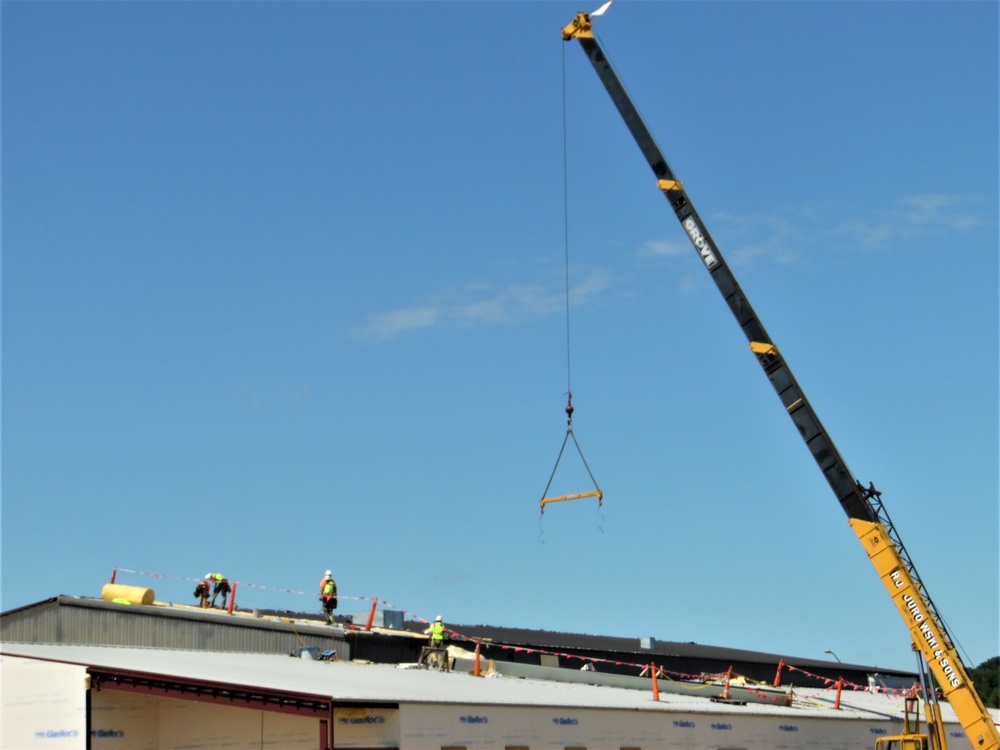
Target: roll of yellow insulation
x=133 y=594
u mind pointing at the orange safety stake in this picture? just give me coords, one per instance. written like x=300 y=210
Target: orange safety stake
x=371 y=615
x=840 y=687
x=656 y=688
x=725 y=689
x=777 y=675
x=476 y=672
x=114 y=573
x=232 y=597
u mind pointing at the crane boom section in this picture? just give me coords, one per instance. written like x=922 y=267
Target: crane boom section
x=926 y=633
x=863 y=506
x=851 y=497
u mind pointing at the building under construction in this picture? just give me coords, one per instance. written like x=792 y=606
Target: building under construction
x=89 y=673
x=389 y=639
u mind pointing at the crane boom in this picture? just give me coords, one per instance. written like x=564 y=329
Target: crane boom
x=863 y=506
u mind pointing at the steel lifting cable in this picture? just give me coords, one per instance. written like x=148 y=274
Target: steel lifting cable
x=596 y=492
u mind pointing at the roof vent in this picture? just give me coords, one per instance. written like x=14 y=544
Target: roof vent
x=649 y=644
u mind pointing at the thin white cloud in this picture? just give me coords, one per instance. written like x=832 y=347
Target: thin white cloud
x=531 y=299
x=394 y=322
x=788 y=237
x=484 y=311
x=913 y=216
x=479 y=303
x=782 y=238
x=662 y=249
x=597 y=281
x=944 y=210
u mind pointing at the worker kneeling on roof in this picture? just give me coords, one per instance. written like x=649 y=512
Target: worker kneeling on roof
x=202 y=591
x=221 y=587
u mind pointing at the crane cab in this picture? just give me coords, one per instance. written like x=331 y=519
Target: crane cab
x=903 y=742
x=912 y=738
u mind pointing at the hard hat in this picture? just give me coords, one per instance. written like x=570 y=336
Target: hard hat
x=437 y=619
x=208 y=576
x=329 y=573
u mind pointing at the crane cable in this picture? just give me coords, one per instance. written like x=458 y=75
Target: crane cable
x=569 y=372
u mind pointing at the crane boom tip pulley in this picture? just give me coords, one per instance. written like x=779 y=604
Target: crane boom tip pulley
x=581 y=26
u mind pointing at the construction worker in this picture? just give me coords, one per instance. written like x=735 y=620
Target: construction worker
x=221 y=587
x=437 y=633
x=328 y=595
x=434 y=653
x=202 y=591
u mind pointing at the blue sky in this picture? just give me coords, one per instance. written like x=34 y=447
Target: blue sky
x=284 y=289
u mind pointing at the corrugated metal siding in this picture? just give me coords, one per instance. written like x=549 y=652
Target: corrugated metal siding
x=121 y=626
x=32 y=625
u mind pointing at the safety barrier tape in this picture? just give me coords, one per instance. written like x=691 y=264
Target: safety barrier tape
x=198 y=580
x=705 y=680
x=847 y=685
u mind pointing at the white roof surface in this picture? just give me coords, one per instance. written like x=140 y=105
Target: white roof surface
x=352 y=682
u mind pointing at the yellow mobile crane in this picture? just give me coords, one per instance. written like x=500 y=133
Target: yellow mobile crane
x=866 y=514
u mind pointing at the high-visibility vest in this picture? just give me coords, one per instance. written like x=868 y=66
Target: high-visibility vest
x=329 y=587
x=437 y=631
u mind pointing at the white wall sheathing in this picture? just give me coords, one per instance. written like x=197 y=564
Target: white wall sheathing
x=123 y=721
x=43 y=705
x=365 y=727
x=126 y=721
x=186 y=725
x=433 y=726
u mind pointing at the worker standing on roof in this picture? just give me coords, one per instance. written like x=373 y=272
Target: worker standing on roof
x=328 y=595
x=434 y=653
x=437 y=632
x=221 y=587
x=202 y=591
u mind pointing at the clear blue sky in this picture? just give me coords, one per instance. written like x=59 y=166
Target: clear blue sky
x=284 y=290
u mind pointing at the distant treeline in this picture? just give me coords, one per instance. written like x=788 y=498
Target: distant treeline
x=987 y=679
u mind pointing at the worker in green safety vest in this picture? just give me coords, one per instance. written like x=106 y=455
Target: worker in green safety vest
x=328 y=595
x=435 y=654
x=437 y=631
x=221 y=587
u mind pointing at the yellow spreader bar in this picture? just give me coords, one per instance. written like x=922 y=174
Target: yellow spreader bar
x=593 y=493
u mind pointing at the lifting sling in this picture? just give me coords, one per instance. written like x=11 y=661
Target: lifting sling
x=596 y=492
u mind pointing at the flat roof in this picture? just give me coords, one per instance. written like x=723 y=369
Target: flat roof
x=498 y=636
x=346 y=683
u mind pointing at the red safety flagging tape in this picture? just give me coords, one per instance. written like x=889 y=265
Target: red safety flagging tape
x=524 y=649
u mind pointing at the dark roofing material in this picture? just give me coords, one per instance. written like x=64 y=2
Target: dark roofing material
x=53 y=620
x=548 y=640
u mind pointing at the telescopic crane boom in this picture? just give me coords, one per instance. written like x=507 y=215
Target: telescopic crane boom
x=865 y=512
